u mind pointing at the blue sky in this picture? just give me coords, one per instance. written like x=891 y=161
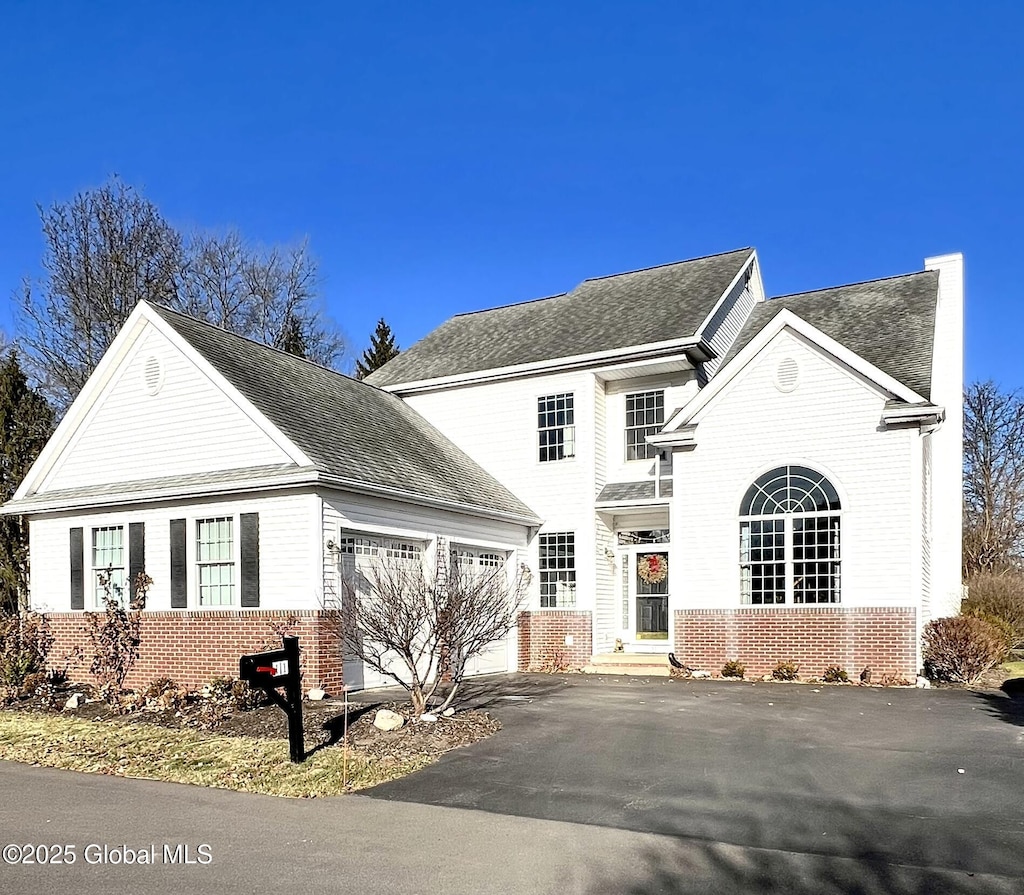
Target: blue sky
x=444 y=157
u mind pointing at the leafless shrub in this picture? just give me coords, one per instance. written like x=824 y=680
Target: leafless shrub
x=420 y=624
x=25 y=642
x=115 y=636
x=998 y=598
x=961 y=648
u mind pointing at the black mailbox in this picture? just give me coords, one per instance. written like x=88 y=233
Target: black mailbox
x=271 y=671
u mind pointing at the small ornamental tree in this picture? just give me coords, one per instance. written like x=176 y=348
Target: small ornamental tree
x=382 y=349
x=420 y=624
x=115 y=634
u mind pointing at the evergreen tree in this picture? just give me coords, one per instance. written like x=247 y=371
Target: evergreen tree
x=26 y=422
x=382 y=349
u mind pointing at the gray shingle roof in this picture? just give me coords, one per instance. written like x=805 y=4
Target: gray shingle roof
x=349 y=429
x=890 y=323
x=602 y=314
x=616 y=492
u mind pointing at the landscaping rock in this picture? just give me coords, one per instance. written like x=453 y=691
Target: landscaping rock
x=448 y=712
x=923 y=683
x=385 y=719
x=429 y=717
x=74 y=701
x=316 y=694
x=701 y=675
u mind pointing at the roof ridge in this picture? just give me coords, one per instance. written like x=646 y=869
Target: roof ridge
x=511 y=304
x=898 y=276
x=623 y=273
x=608 y=276
x=259 y=344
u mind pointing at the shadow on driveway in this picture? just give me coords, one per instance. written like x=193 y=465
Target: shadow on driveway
x=833 y=788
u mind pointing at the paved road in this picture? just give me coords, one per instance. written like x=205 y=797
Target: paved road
x=597 y=787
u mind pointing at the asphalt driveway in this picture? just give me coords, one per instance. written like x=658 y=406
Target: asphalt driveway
x=887 y=777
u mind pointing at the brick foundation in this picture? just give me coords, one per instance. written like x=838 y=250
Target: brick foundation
x=883 y=639
x=542 y=639
x=193 y=647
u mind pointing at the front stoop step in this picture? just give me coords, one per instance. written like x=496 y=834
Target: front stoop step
x=646 y=664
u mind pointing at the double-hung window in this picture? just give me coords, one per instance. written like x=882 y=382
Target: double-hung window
x=215 y=561
x=108 y=564
x=558 y=570
x=645 y=415
x=556 y=427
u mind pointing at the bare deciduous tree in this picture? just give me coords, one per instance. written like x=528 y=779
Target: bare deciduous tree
x=104 y=251
x=108 y=248
x=420 y=624
x=993 y=479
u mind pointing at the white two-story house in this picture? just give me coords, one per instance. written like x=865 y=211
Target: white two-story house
x=685 y=467
x=719 y=475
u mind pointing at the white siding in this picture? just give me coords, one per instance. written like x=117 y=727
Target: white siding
x=496 y=424
x=727 y=322
x=289 y=570
x=600 y=435
x=606 y=619
x=680 y=388
x=831 y=422
x=189 y=426
x=926 y=530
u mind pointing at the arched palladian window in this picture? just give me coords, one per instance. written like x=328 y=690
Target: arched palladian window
x=789 y=538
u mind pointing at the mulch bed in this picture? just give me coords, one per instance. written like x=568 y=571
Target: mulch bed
x=324 y=724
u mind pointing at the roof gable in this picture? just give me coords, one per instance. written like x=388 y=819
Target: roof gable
x=680 y=427
x=890 y=323
x=604 y=314
x=180 y=422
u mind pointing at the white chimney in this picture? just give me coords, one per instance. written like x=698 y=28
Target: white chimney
x=947 y=440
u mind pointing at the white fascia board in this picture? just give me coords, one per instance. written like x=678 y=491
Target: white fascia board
x=338 y=483
x=656 y=502
x=555 y=365
x=301 y=477
x=83 y=405
x=752 y=259
x=785 y=319
x=294 y=452
x=923 y=414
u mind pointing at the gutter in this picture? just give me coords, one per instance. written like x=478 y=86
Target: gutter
x=696 y=349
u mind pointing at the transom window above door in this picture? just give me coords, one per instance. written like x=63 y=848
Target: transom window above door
x=646 y=536
x=645 y=415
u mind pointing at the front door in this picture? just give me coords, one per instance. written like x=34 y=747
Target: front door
x=650 y=588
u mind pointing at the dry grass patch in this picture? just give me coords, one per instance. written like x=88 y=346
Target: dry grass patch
x=185 y=756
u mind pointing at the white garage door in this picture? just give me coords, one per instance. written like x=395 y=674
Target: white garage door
x=495 y=658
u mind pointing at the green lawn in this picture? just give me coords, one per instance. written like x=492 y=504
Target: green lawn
x=128 y=749
x=1013 y=669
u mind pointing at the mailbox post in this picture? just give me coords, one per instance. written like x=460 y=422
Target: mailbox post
x=275 y=670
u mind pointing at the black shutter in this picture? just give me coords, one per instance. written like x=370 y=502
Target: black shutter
x=179 y=588
x=249 y=542
x=136 y=555
x=77 y=569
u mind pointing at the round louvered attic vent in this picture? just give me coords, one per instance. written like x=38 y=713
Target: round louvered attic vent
x=152 y=375
x=787 y=375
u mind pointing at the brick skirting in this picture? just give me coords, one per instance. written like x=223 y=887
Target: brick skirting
x=192 y=647
x=882 y=639
x=542 y=639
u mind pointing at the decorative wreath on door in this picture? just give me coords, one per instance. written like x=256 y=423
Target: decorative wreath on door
x=652 y=568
